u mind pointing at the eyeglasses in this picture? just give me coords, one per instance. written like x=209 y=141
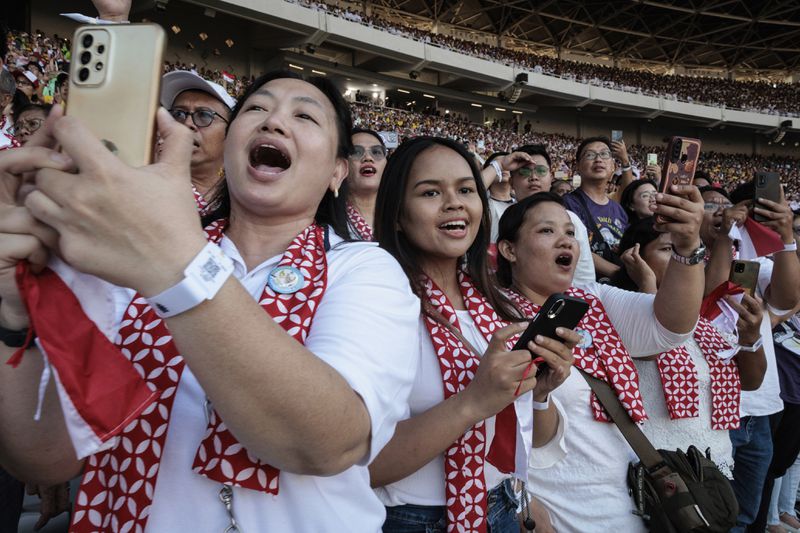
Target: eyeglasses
x=526 y=172
x=24 y=81
x=591 y=156
x=201 y=118
x=376 y=152
x=29 y=125
x=713 y=206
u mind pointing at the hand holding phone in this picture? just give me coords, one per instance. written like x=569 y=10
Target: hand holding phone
x=679 y=166
x=767 y=186
x=559 y=311
x=745 y=274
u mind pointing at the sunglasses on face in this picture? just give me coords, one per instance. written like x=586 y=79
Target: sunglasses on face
x=29 y=125
x=376 y=152
x=591 y=156
x=526 y=172
x=712 y=206
x=201 y=118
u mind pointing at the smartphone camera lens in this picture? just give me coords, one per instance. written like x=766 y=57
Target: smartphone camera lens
x=86 y=57
x=83 y=74
x=739 y=268
x=87 y=40
x=101 y=48
x=98 y=66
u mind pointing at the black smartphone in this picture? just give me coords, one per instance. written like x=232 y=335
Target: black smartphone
x=768 y=185
x=559 y=311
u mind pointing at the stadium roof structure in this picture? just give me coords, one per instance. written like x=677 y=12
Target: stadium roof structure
x=727 y=34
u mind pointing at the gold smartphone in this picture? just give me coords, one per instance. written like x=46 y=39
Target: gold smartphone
x=745 y=274
x=114 y=86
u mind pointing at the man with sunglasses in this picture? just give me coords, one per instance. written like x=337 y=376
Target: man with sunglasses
x=604 y=218
x=204 y=107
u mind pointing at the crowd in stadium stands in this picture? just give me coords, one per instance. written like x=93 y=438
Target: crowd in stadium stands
x=46 y=57
x=336 y=385
x=760 y=97
x=727 y=170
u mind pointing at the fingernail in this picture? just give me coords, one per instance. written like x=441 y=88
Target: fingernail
x=539 y=338
x=560 y=331
x=58 y=157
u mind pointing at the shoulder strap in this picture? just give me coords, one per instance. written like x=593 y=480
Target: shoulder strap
x=644 y=449
x=599 y=235
x=438 y=317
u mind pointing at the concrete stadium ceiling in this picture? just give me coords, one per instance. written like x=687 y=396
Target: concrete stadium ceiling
x=729 y=34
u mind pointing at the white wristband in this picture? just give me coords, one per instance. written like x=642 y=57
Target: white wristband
x=205 y=275
x=791 y=247
x=497 y=168
x=541 y=406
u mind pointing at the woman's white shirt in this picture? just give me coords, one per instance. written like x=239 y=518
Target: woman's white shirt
x=580 y=474
x=426 y=486
x=367 y=328
x=668 y=434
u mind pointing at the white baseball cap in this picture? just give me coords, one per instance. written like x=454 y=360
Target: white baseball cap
x=178 y=81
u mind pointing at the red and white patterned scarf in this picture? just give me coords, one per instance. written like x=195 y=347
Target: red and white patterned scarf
x=359 y=224
x=606 y=358
x=6 y=139
x=200 y=200
x=681 y=388
x=465 y=488
x=118 y=484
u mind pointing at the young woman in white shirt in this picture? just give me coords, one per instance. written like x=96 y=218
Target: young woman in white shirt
x=580 y=474
x=450 y=465
x=310 y=393
x=692 y=393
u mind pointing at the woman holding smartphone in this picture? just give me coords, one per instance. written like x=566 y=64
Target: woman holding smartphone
x=269 y=397
x=692 y=393
x=450 y=465
x=579 y=474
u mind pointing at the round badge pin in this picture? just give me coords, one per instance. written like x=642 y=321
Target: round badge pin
x=586 y=338
x=285 y=280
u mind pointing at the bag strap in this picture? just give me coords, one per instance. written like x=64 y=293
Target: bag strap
x=579 y=195
x=644 y=449
x=439 y=317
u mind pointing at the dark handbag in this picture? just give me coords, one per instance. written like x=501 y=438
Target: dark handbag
x=674 y=491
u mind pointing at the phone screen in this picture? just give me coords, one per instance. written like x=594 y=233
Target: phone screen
x=616 y=135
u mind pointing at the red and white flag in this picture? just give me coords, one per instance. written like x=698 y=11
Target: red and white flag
x=73 y=317
x=724 y=317
x=755 y=239
x=228 y=77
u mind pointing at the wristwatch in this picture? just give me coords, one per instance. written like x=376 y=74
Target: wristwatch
x=752 y=347
x=694 y=258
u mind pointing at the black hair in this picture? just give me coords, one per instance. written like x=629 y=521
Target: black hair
x=536 y=149
x=718 y=190
x=45 y=108
x=19 y=101
x=745 y=191
x=508 y=228
x=389 y=209
x=368 y=132
x=492 y=157
x=641 y=232
x=589 y=140
x=329 y=212
x=626 y=198
x=701 y=175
